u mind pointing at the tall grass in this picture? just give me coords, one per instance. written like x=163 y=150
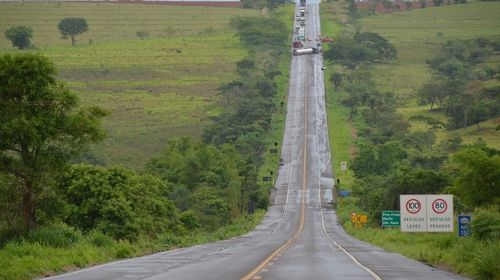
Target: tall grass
x=53 y=249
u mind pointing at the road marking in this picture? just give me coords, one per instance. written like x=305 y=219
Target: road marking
x=290 y=163
x=267 y=261
x=373 y=274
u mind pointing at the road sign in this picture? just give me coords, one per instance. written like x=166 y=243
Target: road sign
x=413 y=213
x=273 y=151
x=464 y=228
x=266 y=179
x=391 y=219
x=432 y=213
x=440 y=213
x=343 y=166
x=358 y=220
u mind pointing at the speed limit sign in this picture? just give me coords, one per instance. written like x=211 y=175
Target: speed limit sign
x=433 y=212
x=413 y=210
x=413 y=206
x=440 y=213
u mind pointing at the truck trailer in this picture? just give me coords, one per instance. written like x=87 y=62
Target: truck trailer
x=305 y=51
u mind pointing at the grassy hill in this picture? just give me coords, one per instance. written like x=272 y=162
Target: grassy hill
x=417 y=35
x=155 y=89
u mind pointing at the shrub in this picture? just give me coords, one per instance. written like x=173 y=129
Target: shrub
x=486 y=224
x=57 y=235
x=142 y=34
x=189 y=219
x=98 y=239
x=123 y=250
x=7 y=234
x=485 y=262
x=116 y=201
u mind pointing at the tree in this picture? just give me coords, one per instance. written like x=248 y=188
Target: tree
x=373 y=41
x=433 y=92
x=336 y=78
x=273 y=4
x=437 y=3
x=408 y=4
x=42 y=125
x=142 y=34
x=476 y=173
x=19 y=36
x=72 y=27
x=116 y=201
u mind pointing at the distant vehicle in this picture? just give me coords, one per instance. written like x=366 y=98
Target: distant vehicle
x=297 y=44
x=325 y=39
x=305 y=51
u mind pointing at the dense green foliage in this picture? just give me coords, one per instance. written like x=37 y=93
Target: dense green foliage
x=249 y=103
x=72 y=27
x=116 y=202
x=363 y=47
x=456 y=85
x=42 y=126
x=203 y=181
x=20 y=36
x=476 y=173
x=394 y=158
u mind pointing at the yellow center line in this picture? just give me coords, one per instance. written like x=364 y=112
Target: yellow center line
x=251 y=274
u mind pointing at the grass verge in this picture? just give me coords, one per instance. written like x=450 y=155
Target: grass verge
x=27 y=258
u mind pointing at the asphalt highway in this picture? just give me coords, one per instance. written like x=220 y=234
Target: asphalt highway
x=300 y=237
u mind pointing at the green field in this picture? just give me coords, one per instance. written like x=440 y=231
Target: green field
x=417 y=35
x=156 y=89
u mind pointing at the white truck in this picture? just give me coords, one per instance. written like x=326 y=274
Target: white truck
x=305 y=51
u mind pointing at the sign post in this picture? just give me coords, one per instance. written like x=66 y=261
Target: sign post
x=439 y=213
x=358 y=221
x=413 y=213
x=431 y=213
x=343 y=166
x=464 y=228
x=391 y=219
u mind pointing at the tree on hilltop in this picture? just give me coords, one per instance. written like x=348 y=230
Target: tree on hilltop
x=72 y=27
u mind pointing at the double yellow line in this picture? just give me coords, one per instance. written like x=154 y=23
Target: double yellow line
x=263 y=264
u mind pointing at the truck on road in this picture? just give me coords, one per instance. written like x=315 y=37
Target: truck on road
x=305 y=51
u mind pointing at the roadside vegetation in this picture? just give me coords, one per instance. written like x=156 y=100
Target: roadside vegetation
x=61 y=211
x=411 y=100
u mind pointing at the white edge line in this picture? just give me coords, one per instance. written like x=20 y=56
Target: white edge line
x=111 y=263
x=373 y=274
x=291 y=155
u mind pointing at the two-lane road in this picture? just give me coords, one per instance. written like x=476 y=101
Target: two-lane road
x=300 y=237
